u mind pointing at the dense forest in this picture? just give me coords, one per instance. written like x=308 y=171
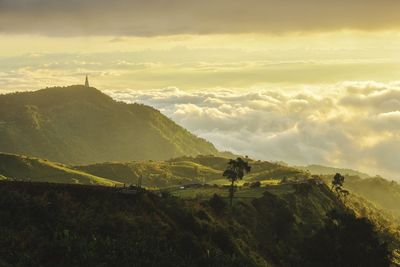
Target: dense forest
x=74 y=225
x=78 y=124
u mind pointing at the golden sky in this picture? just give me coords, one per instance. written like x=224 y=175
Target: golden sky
x=303 y=81
x=199 y=61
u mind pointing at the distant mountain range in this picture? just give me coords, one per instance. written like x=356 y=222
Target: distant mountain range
x=324 y=170
x=81 y=125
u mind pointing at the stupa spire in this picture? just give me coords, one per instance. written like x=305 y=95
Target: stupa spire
x=87 y=82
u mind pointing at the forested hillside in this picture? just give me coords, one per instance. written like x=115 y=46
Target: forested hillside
x=79 y=125
x=75 y=225
x=186 y=170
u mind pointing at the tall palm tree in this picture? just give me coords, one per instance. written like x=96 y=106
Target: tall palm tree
x=235 y=171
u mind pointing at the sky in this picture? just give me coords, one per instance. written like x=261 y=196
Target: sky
x=300 y=81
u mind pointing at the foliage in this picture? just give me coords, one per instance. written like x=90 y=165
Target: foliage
x=337 y=185
x=303 y=189
x=70 y=225
x=217 y=204
x=75 y=225
x=235 y=171
x=255 y=184
x=81 y=125
x=346 y=241
x=337 y=181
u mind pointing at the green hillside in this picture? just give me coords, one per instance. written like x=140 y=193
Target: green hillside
x=208 y=169
x=184 y=170
x=154 y=173
x=81 y=125
x=22 y=168
x=276 y=224
x=382 y=192
x=324 y=170
x=73 y=225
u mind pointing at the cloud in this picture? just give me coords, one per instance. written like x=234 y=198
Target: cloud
x=192 y=68
x=354 y=124
x=160 y=17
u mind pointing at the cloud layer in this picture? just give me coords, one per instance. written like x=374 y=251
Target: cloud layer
x=200 y=68
x=351 y=124
x=160 y=17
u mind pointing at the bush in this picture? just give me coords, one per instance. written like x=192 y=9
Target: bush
x=217 y=204
x=255 y=184
x=345 y=241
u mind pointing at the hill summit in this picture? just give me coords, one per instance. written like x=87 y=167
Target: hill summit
x=81 y=125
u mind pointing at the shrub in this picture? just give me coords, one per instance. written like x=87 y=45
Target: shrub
x=255 y=184
x=217 y=204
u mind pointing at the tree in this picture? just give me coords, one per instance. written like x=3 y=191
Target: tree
x=345 y=241
x=255 y=184
x=217 y=204
x=337 y=183
x=235 y=171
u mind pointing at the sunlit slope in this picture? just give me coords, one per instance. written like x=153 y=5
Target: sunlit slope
x=22 y=168
x=382 y=192
x=154 y=173
x=324 y=170
x=81 y=125
x=185 y=170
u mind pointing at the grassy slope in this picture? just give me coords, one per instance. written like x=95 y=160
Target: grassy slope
x=184 y=170
x=378 y=190
x=17 y=167
x=154 y=173
x=324 y=170
x=81 y=125
x=187 y=170
x=381 y=192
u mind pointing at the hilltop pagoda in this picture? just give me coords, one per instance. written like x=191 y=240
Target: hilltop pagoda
x=87 y=82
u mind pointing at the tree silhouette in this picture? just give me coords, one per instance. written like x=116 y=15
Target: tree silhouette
x=217 y=204
x=345 y=241
x=337 y=183
x=235 y=171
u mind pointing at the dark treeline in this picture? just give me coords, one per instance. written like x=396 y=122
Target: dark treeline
x=73 y=225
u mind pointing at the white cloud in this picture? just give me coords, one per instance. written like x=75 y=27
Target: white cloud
x=354 y=124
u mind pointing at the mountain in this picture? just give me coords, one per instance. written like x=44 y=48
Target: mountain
x=379 y=191
x=22 y=168
x=324 y=170
x=81 y=125
x=184 y=170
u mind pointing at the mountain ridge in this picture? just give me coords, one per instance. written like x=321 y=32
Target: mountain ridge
x=82 y=125
x=328 y=170
x=22 y=168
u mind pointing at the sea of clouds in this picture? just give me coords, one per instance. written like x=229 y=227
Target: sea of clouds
x=351 y=124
